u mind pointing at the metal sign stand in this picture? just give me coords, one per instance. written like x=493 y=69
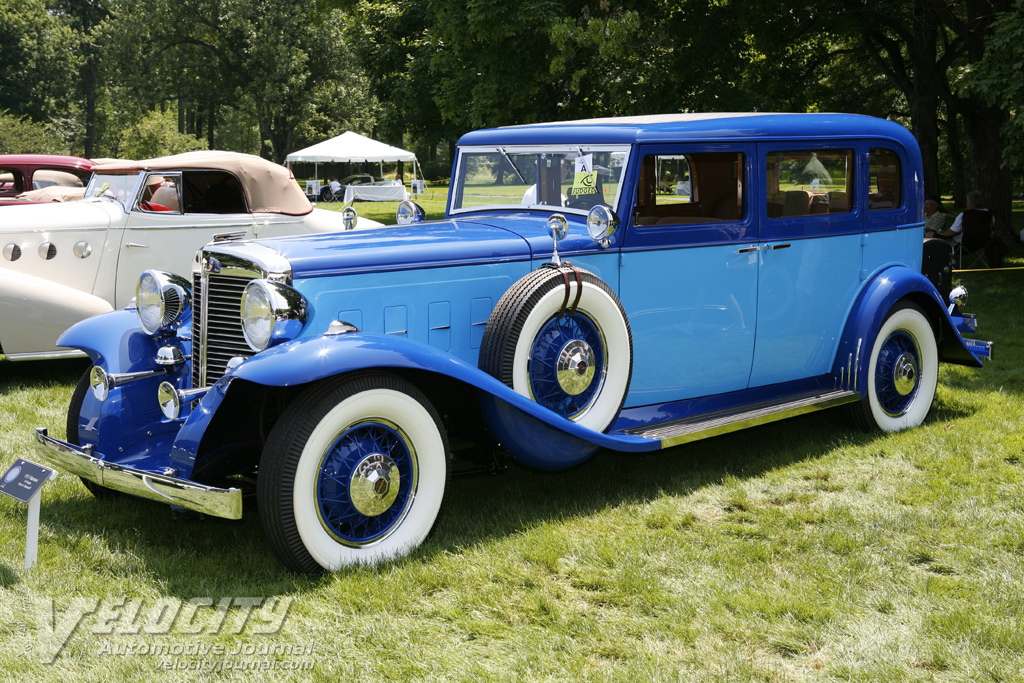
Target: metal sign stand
x=24 y=482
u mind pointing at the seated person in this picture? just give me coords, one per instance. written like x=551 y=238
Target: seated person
x=335 y=186
x=934 y=218
x=975 y=201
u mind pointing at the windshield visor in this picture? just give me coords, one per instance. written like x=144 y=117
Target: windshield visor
x=561 y=178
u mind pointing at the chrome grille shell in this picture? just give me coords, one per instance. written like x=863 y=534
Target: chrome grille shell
x=220 y=272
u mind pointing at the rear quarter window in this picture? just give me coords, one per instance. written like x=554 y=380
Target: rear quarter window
x=884 y=191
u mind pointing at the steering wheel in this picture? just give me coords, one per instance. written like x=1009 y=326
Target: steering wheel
x=584 y=203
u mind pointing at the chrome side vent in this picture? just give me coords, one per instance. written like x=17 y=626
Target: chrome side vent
x=12 y=252
x=47 y=250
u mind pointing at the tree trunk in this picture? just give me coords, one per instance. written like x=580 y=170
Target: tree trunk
x=984 y=125
x=210 y=111
x=956 y=158
x=90 y=76
x=924 y=120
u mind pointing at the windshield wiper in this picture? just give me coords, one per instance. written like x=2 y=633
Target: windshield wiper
x=512 y=164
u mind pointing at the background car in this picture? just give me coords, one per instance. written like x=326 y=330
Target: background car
x=21 y=173
x=61 y=263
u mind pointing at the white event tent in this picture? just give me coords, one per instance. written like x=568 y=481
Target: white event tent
x=353 y=147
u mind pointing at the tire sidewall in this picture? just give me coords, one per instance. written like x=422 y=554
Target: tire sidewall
x=912 y=321
x=605 y=313
x=428 y=452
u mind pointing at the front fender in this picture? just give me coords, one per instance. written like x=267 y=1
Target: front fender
x=35 y=312
x=309 y=360
x=874 y=303
x=113 y=341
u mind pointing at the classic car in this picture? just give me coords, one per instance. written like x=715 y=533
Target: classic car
x=62 y=263
x=554 y=311
x=26 y=173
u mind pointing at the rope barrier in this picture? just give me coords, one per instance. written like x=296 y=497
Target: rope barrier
x=987 y=270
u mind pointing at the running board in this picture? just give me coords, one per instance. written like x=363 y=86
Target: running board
x=695 y=428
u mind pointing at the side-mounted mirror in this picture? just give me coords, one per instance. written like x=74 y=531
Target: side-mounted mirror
x=349 y=217
x=409 y=212
x=602 y=224
x=558 y=226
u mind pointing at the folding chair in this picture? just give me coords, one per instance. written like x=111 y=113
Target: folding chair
x=976 y=230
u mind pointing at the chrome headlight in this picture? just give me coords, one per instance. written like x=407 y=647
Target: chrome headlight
x=161 y=300
x=271 y=313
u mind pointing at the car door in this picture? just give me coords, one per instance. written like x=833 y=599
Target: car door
x=688 y=277
x=173 y=216
x=810 y=257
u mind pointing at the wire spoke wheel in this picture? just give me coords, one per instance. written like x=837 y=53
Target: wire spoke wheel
x=354 y=472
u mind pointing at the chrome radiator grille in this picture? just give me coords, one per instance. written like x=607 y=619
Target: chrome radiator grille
x=216 y=325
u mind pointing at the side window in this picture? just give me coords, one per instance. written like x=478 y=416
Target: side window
x=160 y=194
x=809 y=182
x=11 y=181
x=212 y=192
x=884 y=174
x=48 y=177
x=703 y=187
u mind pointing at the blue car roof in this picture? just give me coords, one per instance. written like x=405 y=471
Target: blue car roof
x=693 y=127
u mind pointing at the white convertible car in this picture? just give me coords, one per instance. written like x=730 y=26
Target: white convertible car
x=62 y=263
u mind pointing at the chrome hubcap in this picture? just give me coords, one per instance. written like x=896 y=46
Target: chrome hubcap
x=575 y=367
x=905 y=372
x=374 y=485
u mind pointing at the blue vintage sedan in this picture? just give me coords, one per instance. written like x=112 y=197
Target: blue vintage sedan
x=626 y=283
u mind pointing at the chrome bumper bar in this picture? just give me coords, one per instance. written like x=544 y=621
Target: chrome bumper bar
x=181 y=492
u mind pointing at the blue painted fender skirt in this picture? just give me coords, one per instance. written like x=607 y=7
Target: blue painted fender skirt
x=877 y=299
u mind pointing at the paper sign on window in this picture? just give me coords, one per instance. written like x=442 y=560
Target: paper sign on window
x=585 y=180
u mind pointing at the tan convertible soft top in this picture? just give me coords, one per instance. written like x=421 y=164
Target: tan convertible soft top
x=268 y=187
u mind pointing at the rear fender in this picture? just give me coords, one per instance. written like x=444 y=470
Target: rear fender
x=876 y=300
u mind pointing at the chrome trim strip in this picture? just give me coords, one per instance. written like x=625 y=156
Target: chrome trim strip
x=699 y=427
x=856 y=370
x=45 y=355
x=209 y=500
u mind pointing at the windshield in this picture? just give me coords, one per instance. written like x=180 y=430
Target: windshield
x=119 y=186
x=568 y=177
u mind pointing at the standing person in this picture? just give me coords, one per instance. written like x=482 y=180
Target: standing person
x=934 y=218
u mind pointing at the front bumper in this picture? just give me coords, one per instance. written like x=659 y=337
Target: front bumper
x=209 y=500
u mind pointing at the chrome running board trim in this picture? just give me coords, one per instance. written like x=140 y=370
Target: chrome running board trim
x=694 y=428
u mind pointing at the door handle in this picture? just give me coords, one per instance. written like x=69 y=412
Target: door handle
x=747 y=250
x=779 y=246
x=135 y=244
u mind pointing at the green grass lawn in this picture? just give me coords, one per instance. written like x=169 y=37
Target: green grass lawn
x=800 y=550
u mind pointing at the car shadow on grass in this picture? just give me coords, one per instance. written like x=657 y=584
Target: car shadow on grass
x=123 y=535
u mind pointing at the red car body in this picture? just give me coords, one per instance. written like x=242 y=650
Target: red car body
x=22 y=172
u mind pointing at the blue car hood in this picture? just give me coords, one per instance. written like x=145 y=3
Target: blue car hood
x=426 y=244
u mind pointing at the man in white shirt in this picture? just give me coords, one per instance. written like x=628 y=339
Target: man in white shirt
x=975 y=200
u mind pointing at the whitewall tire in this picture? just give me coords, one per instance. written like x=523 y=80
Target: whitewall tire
x=354 y=472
